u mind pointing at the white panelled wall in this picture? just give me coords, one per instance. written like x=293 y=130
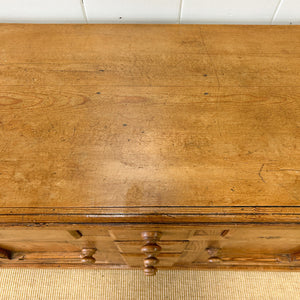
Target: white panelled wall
x=151 y=11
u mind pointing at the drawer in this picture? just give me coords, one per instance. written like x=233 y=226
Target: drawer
x=68 y=257
x=32 y=246
x=266 y=240
x=39 y=240
x=51 y=257
x=137 y=260
x=8 y=235
x=166 y=246
x=226 y=256
x=135 y=235
x=263 y=245
x=95 y=232
x=265 y=234
x=56 y=246
x=198 y=233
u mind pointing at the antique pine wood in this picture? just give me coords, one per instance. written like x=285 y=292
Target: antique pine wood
x=150 y=146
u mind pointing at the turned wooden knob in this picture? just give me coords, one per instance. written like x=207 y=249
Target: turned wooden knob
x=214 y=259
x=151 y=236
x=213 y=252
x=87 y=255
x=150 y=271
x=151 y=249
x=150 y=262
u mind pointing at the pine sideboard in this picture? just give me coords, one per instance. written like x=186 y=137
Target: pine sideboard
x=150 y=146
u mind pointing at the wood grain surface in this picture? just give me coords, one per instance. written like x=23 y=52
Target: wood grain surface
x=149 y=115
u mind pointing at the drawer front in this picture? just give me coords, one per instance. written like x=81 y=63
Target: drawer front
x=244 y=246
x=38 y=246
x=166 y=246
x=8 y=235
x=183 y=234
x=64 y=257
x=137 y=260
x=166 y=234
x=229 y=254
x=32 y=246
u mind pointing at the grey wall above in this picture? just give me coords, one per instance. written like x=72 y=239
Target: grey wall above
x=151 y=11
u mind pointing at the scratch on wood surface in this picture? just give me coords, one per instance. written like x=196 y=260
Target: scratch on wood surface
x=259 y=173
x=292 y=170
x=217 y=77
x=210 y=58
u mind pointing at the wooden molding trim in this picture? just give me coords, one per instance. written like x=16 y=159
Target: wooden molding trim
x=262 y=214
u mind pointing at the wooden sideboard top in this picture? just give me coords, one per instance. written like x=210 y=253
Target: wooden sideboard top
x=147 y=120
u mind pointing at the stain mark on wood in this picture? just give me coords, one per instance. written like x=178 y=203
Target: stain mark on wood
x=270 y=237
x=259 y=173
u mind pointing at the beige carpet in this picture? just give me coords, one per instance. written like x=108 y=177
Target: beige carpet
x=104 y=284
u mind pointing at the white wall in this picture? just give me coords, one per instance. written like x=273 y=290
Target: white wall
x=151 y=11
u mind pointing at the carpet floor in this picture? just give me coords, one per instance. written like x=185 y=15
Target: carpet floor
x=23 y=284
